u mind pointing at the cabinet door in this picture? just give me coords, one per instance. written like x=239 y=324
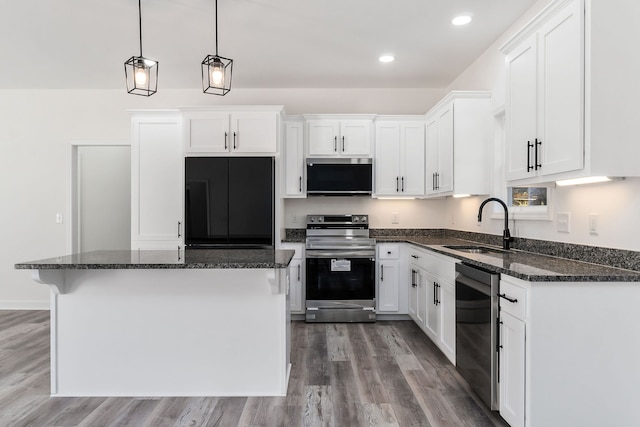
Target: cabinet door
x=387 y=159
x=444 y=177
x=254 y=132
x=295 y=286
x=355 y=138
x=294 y=160
x=447 y=294
x=157 y=180
x=512 y=369
x=206 y=132
x=412 y=164
x=421 y=300
x=521 y=111
x=431 y=164
x=413 y=293
x=432 y=323
x=560 y=125
x=388 y=297
x=323 y=137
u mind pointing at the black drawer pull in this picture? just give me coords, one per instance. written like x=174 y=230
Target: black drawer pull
x=504 y=296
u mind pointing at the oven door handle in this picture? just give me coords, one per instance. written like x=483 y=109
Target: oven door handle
x=340 y=255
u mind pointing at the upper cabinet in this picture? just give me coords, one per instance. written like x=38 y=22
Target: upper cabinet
x=545 y=95
x=294 y=164
x=252 y=130
x=399 y=157
x=333 y=136
x=457 y=145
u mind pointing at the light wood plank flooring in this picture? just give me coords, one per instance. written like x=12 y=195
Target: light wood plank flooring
x=382 y=374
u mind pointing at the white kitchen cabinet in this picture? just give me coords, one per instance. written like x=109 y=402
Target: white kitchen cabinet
x=545 y=95
x=432 y=297
x=331 y=136
x=294 y=165
x=296 y=277
x=512 y=365
x=388 y=293
x=440 y=303
x=249 y=131
x=157 y=180
x=399 y=158
x=457 y=145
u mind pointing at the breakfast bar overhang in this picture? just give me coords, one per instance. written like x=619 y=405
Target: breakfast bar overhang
x=168 y=323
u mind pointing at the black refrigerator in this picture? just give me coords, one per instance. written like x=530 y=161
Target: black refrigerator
x=229 y=202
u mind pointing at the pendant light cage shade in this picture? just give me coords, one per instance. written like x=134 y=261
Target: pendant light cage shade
x=216 y=75
x=141 y=75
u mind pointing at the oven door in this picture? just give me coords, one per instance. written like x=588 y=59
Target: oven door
x=340 y=278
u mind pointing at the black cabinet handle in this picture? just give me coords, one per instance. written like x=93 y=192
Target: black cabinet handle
x=504 y=296
x=433 y=181
x=388 y=252
x=529 y=147
x=235 y=145
x=402 y=180
x=382 y=273
x=226 y=138
x=300 y=184
x=413 y=279
x=435 y=294
x=179 y=229
x=538 y=143
x=335 y=144
x=298 y=272
x=343 y=144
x=415 y=256
x=397 y=184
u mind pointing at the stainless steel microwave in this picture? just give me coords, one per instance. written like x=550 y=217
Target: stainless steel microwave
x=339 y=177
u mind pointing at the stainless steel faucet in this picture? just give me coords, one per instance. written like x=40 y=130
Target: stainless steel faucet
x=506 y=236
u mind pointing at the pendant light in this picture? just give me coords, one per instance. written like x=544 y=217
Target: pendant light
x=141 y=73
x=216 y=70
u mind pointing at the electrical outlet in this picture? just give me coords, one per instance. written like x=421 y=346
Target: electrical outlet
x=453 y=219
x=395 y=218
x=295 y=219
x=563 y=222
x=59 y=218
x=593 y=223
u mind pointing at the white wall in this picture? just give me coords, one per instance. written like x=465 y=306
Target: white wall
x=36 y=128
x=411 y=213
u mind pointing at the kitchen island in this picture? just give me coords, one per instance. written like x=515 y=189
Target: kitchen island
x=168 y=323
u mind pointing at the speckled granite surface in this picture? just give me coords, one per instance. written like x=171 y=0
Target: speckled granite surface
x=532 y=260
x=148 y=259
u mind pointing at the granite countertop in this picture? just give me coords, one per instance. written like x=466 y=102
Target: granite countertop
x=166 y=259
x=523 y=265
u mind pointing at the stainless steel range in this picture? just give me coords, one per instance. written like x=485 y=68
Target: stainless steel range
x=340 y=269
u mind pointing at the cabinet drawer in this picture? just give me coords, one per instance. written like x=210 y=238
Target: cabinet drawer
x=387 y=251
x=513 y=299
x=442 y=268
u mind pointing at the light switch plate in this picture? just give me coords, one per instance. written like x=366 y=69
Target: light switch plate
x=593 y=223
x=395 y=218
x=563 y=221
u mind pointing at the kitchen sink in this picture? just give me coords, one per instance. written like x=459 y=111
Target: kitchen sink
x=474 y=249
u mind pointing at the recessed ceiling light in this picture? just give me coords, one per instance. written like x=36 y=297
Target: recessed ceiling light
x=461 y=20
x=387 y=58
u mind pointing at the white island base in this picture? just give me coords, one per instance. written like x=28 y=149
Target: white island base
x=168 y=332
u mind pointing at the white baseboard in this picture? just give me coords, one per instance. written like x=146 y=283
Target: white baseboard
x=25 y=305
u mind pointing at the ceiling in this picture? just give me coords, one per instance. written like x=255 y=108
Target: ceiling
x=73 y=44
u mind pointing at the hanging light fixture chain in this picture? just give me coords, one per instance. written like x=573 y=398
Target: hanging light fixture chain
x=216 y=19
x=140 y=23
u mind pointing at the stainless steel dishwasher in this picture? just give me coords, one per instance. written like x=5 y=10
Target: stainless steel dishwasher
x=476 y=331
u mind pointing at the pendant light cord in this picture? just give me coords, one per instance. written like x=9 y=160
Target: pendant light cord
x=216 y=19
x=140 y=24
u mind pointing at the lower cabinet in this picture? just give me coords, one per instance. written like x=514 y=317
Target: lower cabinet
x=432 y=298
x=390 y=296
x=296 y=277
x=512 y=352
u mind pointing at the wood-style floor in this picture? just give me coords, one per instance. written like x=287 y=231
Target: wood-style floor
x=382 y=374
